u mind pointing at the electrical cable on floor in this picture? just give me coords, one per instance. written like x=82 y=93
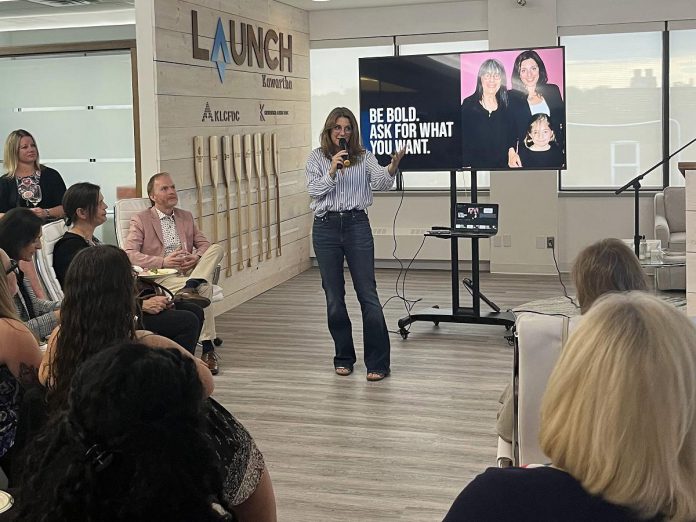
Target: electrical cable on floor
x=408 y=303
x=558 y=271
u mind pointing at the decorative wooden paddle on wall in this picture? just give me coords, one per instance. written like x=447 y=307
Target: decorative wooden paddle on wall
x=237 y=153
x=228 y=174
x=198 y=169
x=248 y=170
x=262 y=169
x=214 y=178
x=258 y=168
x=267 y=173
x=276 y=174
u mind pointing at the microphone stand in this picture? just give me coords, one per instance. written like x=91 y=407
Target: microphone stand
x=635 y=183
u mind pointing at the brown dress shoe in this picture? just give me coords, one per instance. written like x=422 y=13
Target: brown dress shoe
x=211 y=359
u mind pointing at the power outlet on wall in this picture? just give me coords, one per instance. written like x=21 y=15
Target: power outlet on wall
x=550 y=242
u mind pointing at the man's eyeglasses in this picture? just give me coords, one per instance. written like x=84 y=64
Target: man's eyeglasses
x=14 y=267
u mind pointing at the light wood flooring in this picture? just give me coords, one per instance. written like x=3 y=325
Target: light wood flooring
x=343 y=449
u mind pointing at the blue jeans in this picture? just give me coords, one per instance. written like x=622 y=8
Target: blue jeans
x=348 y=235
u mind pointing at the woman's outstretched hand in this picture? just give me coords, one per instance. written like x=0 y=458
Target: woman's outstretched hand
x=396 y=158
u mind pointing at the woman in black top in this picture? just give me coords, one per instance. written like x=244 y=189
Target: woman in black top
x=487 y=129
x=532 y=94
x=85 y=210
x=23 y=172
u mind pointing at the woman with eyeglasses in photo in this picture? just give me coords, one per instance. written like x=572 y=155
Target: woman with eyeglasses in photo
x=20 y=237
x=341 y=176
x=20 y=358
x=487 y=131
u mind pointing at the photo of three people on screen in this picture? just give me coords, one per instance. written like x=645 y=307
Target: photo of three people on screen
x=515 y=116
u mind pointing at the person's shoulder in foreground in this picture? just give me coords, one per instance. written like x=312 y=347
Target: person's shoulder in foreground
x=534 y=494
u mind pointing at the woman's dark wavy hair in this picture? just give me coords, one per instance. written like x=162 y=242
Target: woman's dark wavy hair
x=493 y=66
x=81 y=195
x=130 y=446
x=98 y=309
x=18 y=227
x=355 y=148
x=526 y=55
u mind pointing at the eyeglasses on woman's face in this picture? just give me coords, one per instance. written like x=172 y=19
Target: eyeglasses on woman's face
x=346 y=130
x=14 y=267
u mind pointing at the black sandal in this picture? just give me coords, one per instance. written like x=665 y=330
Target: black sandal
x=343 y=371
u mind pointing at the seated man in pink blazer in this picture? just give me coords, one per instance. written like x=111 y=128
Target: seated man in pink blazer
x=167 y=237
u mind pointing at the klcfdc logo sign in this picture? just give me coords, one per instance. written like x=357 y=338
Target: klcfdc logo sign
x=246 y=43
x=219 y=115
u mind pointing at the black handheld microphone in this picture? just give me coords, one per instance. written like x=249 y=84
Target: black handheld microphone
x=344 y=146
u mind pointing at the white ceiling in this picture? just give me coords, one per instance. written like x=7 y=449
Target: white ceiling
x=311 y=5
x=21 y=15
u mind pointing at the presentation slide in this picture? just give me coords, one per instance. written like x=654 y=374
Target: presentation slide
x=487 y=110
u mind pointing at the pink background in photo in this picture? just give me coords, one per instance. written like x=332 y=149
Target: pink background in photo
x=471 y=62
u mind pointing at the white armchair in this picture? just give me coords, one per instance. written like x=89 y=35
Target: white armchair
x=670 y=218
x=124 y=209
x=43 y=259
x=539 y=340
x=670 y=229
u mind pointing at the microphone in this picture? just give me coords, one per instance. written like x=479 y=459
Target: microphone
x=344 y=146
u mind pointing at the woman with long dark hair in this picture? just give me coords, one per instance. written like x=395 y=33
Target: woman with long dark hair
x=98 y=310
x=532 y=94
x=130 y=445
x=85 y=210
x=340 y=193
x=20 y=237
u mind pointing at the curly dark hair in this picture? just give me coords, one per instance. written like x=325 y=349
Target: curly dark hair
x=98 y=309
x=130 y=446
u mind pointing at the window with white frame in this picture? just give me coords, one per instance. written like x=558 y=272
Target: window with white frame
x=614 y=98
x=82 y=118
x=682 y=99
x=335 y=82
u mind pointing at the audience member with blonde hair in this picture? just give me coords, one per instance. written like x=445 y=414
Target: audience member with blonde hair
x=618 y=421
x=608 y=265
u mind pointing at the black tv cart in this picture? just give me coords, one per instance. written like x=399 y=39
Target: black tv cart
x=460 y=314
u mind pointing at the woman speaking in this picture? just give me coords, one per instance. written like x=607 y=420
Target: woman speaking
x=341 y=176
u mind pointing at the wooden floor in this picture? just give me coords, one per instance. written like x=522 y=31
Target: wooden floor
x=343 y=449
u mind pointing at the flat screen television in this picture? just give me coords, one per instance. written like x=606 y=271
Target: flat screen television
x=484 y=110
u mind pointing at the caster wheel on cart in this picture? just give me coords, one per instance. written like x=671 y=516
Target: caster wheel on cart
x=404 y=333
x=217 y=341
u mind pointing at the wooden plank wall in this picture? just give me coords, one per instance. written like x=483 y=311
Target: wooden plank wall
x=185 y=84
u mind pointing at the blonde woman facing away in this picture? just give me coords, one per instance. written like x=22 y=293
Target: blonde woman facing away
x=618 y=421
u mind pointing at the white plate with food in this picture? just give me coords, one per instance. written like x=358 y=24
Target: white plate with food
x=154 y=273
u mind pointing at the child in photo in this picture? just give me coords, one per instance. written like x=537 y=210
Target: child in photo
x=540 y=149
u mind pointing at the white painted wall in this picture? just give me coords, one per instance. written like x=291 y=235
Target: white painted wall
x=530 y=203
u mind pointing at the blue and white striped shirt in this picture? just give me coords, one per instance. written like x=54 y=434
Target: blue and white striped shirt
x=352 y=187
